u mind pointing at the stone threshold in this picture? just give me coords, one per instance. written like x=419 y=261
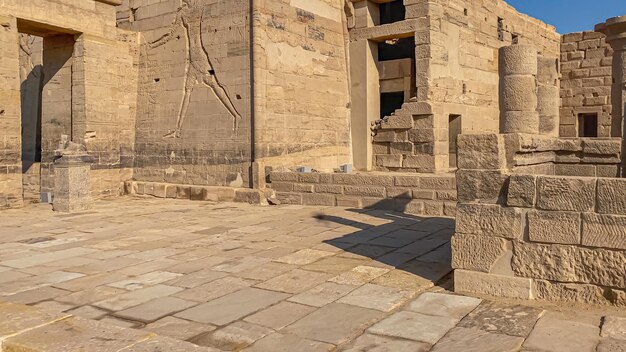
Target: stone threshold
x=26 y=328
x=196 y=192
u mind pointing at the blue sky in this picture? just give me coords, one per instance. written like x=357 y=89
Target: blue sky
x=571 y=15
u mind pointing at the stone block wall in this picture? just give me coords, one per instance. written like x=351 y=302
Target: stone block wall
x=301 y=87
x=534 y=236
x=561 y=156
x=420 y=194
x=586 y=70
x=193 y=111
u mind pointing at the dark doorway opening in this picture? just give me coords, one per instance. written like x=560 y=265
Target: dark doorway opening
x=391 y=12
x=454 y=130
x=588 y=125
x=390 y=102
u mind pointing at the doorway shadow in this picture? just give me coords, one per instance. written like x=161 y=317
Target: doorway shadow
x=415 y=248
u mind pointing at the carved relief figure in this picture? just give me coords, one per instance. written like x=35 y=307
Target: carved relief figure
x=198 y=66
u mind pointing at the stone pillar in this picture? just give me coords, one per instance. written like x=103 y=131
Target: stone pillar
x=10 y=115
x=548 y=96
x=365 y=92
x=72 y=190
x=615 y=31
x=518 y=89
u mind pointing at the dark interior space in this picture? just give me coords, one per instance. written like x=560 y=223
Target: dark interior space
x=390 y=102
x=454 y=130
x=588 y=125
x=391 y=12
x=393 y=49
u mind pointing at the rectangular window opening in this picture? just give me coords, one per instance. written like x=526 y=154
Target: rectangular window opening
x=391 y=12
x=588 y=125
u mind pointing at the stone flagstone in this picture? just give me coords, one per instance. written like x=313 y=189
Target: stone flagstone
x=414 y=326
x=475 y=340
x=376 y=343
x=444 y=305
x=377 y=297
x=231 y=307
x=557 y=335
x=155 y=309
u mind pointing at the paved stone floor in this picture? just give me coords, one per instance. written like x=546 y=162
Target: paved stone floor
x=286 y=278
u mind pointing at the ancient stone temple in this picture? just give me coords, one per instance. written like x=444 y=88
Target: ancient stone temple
x=442 y=108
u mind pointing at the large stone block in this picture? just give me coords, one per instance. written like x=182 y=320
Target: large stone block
x=72 y=190
x=485 y=186
x=318 y=199
x=466 y=281
x=363 y=180
x=554 y=227
x=370 y=191
x=521 y=191
x=570 y=264
x=566 y=193
x=608 y=231
x=481 y=151
x=489 y=220
x=397 y=122
x=611 y=196
x=573 y=293
x=477 y=253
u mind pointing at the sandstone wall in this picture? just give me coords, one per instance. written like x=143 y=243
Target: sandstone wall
x=537 y=236
x=88 y=83
x=301 y=84
x=420 y=194
x=586 y=70
x=463 y=67
x=193 y=112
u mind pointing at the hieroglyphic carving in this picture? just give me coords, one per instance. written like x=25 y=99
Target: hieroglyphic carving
x=198 y=64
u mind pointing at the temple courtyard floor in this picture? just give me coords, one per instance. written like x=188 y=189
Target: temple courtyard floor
x=240 y=277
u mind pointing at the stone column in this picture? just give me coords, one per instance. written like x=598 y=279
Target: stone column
x=72 y=190
x=615 y=31
x=10 y=115
x=548 y=96
x=518 y=89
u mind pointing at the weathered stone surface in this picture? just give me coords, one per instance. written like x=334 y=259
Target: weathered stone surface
x=295 y=281
x=443 y=305
x=414 y=326
x=480 y=151
x=570 y=264
x=521 y=191
x=611 y=345
x=502 y=319
x=316 y=326
x=611 y=196
x=74 y=334
x=476 y=340
x=280 y=315
x=280 y=342
x=557 y=335
x=554 y=227
x=135 y=298
x=17 y=318
x=360 y=275
x=156 y=309
x=323 y=294
x=303 y=257
x=233 y=306
x=566 y=193
x=477 y=253
x=485 y=186
x=233 y=337
x=178 y=328
x=159 y=343
x=571 y=292
x=489 y=220
x=376 y=343
x=614 y=327
x=492 y=284
x=376 y=297
x=605 y=231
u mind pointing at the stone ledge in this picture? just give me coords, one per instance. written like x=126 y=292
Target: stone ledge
x=194 y=192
